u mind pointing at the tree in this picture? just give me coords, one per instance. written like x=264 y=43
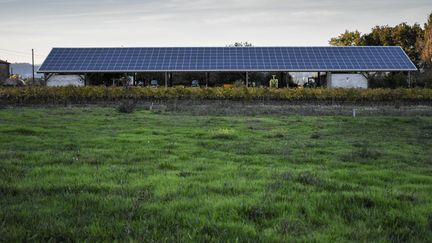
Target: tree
x=349 y=38
x=240 y=44
x=426 y=54
x=407 y=37
x=379 y=36
x=416 y=42
x=403 y=35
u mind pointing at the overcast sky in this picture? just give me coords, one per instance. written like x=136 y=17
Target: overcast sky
x=43 y=24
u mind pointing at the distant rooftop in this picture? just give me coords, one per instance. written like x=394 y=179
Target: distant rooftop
x=4 y=62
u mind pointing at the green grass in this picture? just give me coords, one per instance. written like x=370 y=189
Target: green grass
x=96 y=174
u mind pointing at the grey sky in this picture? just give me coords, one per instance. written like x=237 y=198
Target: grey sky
x=42 y=24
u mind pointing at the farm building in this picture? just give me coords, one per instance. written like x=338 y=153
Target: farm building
x=335 y=66
x=4 y=70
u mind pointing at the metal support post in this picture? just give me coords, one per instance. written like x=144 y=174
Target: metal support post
x=409 y=79
x=247 y=79
x=33 y=67
x=171 y=79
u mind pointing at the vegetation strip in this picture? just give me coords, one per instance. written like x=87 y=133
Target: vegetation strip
x=77 y=94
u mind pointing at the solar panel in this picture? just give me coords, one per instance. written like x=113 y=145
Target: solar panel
x=183 y=59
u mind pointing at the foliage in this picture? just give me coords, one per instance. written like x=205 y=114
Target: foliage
x=393 y=80
x=415 y=41
x=239 y=83
x=426 y=54
x=406 y=36
x=92 y=174
x=402 y=35
x=37 y=81
x=127 y=106
x=424 y=78
x=72 y=94
x=241 y=44
x=349 y=38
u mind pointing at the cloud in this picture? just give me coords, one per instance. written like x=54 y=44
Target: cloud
x=42 y=24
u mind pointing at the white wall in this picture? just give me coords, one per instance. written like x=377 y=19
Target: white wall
x=346 y=81
x=65 y=80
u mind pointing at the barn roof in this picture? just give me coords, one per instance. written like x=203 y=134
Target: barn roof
x=200 y=59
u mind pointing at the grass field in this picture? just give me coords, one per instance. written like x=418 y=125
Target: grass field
x=96 y=174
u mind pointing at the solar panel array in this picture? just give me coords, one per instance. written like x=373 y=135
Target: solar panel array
x=165 y=59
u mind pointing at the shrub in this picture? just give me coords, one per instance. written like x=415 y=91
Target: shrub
x=239 y=84
x=127 y=106
x=43 y=94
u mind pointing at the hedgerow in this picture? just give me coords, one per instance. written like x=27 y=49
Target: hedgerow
x=41 y=94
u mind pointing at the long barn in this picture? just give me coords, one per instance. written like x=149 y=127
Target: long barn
x=168 y=60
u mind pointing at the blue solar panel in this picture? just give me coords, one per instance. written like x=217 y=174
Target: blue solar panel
x=173 y=59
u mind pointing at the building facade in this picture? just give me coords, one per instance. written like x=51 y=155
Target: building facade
x=4 y=70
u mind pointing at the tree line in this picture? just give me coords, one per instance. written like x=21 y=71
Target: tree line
x=416 y=40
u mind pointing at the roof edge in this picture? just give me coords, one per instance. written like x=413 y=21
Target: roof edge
x=251 y=47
